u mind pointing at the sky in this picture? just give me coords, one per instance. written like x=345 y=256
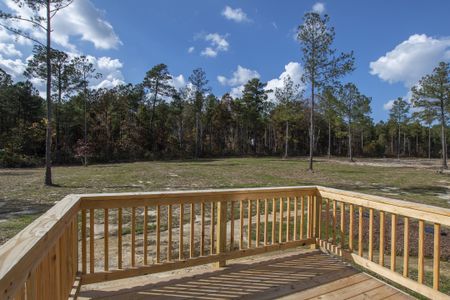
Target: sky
x=395 y=42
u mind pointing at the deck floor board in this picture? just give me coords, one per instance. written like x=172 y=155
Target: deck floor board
x=306 y=275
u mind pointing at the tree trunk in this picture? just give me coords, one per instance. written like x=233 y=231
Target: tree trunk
x=443 y=138
x=398 y=142
x=85 y=126
x=48 y=137
x=286 y=140
x=350 y=154
x=329 y=139
x=429 y=141
x=196 y=135
x=311 y=131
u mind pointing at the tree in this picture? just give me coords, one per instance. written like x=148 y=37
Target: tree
x=426 y=115
x=433 y=93
x=199 y=84
x=353 y=106
x=42 y=13
x=83 y=71
x=328 y=105
x=322 y=66
x=399 y=114
x=158 y=82
x=286 y=95
x=62 y=74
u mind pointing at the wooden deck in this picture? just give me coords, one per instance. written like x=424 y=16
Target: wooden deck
x=293 y=275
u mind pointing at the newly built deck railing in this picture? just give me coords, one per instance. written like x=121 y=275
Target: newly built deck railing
x=92 y=238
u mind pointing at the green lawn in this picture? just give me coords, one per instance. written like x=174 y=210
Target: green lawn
x=23 y=197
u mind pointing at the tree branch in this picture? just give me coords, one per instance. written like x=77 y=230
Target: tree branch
x=58 y=8
x=27 y=20
x=22 y=34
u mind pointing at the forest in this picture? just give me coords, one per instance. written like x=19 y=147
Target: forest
x=153 y=120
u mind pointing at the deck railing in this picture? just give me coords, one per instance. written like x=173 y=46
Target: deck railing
x=92 y=238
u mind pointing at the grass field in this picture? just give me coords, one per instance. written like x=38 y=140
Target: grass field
x=23 y=197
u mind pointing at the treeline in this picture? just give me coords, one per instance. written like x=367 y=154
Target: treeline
x=153 y=120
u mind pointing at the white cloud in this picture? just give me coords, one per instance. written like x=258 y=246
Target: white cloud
x=294 y=70
x=191 y=49
x=9 y=50
x=14 y=67
x=319 y=8
x=235 y=14
x=178 y=82
x=217 y=43
x=411 y=59
x=110 y=69
x=80 y=19
x=238 y=79
x=388 y=105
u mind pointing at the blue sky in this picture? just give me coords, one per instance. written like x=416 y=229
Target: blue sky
x=395 y=42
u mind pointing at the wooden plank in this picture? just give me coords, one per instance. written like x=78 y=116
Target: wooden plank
x=106 y=240
x=371 y=234
x=436 y=255
x=191 y=232
x=91 y=240
x=327 y=219
x=274 y=219
x=280 y=229
x=302 y=217
x=181 y=234
x=169 y=233
x=334 y=219
x=119 y=238
x=258 y=221
x=382 y=233
x=421 y=251
x=83 y=242
x=212 y=236
x=319 y=204
x=342 y=225
x=288 y=219
x=351 y=228
x=295 y=218
x=249 y=224
x=157 y=268
x=145 y=233
x=133 y=237
x=393 y=241
x=241 y=225
x=232 y=225
x=360 y=231
x=266 y=221
x=406 y=247
x=158 y=233
x=202 y=237
x=221 y=231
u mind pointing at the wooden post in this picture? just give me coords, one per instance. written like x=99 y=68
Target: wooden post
x=421 y=251
x=436 y=255
x=382 y=230
x=221 y=243
x=317 y=206
x=406 y=248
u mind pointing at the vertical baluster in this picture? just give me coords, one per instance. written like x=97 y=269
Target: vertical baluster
x=106 y=239
x=133 y=236
x=334 y=221
x=302 y=217
x=181 y=233
x=406 y=248
x=351 y=228
x=249 y=224
x=232 y=226
x=274 y=219
x=119 y=238
x=327 y=220
x=382 y=230
x=280 y=228
x=241 y=225
x=295 y=218
x=319 y=202
x=145 y=235
x=342 y=225
x=258 y=220
x=91 y=240
x=202 y=238
x=308 y=214
x=360 y=231
x=436 y=255
x=288 y=219
x=158 y=234
x=212 y=236
x=266 y=220
x=421 y=251
x=169 y=232
x=191 y=242
x=393 y=241
x=371 y=234
x=83 y=242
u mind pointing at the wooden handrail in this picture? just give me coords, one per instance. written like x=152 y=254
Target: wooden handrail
x=176 y=229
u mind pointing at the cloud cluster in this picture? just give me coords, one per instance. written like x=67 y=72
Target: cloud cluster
x=238 y=79
x=235 y=14
x=294 y=70
x=411 y=59
x=319 y=8
x=217 y=43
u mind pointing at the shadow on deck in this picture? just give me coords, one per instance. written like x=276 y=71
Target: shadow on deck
x=311 y=274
